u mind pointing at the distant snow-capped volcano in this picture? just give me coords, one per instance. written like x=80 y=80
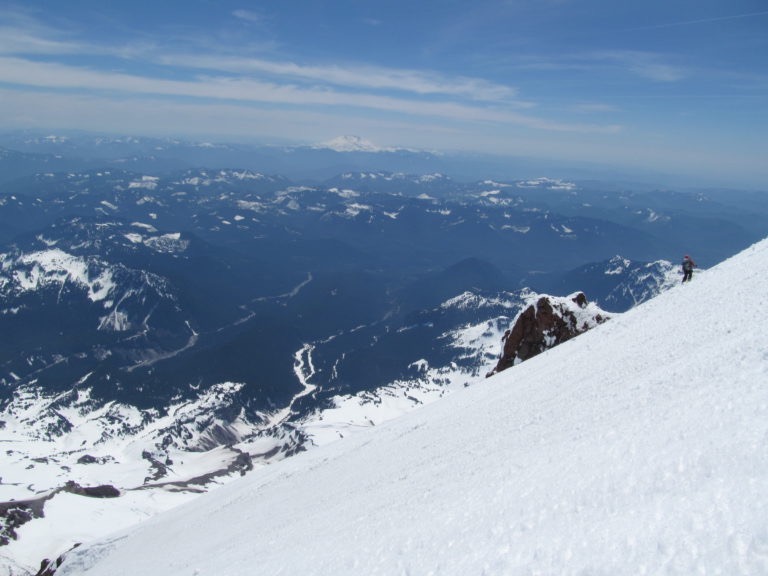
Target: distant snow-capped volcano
x=352 y=144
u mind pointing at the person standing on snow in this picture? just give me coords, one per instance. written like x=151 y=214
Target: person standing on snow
x=688 y=266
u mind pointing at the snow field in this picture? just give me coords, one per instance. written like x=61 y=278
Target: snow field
x=640 y=447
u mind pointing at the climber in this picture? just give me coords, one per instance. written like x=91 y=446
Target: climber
x=688 y=266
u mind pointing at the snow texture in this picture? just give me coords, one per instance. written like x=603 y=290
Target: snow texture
x=640 y=447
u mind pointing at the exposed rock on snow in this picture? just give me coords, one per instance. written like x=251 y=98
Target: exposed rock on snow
x=545 y=323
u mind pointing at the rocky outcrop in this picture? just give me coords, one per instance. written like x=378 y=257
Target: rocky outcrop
x=545 y=323
x=49 y=567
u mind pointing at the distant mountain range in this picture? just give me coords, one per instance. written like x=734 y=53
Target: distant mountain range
x=36 y=151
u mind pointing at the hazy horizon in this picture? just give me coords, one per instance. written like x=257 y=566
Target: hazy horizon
x=672 y=89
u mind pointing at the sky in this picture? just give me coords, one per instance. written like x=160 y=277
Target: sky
x=678 y=87
x=591 y=458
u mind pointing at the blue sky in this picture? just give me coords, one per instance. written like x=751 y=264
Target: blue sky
x=676 y=86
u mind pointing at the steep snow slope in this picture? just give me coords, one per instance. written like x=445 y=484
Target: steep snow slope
x=640 y=447
x=153 y=460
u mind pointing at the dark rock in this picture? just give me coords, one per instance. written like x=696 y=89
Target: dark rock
x=580 y=299
x=243 y=463
x=103 y=491
x=159 y=469
x=49 y=567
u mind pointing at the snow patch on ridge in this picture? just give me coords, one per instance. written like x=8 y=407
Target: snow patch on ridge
x=33 y=271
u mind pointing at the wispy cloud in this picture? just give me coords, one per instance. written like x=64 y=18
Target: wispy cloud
x=594 y=108
x=31 y=63
x=703 y=20
x=358 y=77
x=647 y=65
x=248 y=16
x=34 y=40
x=43 y=75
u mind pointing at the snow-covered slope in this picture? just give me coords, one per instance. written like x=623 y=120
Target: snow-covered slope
x=640 y=447
x=151 y=459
